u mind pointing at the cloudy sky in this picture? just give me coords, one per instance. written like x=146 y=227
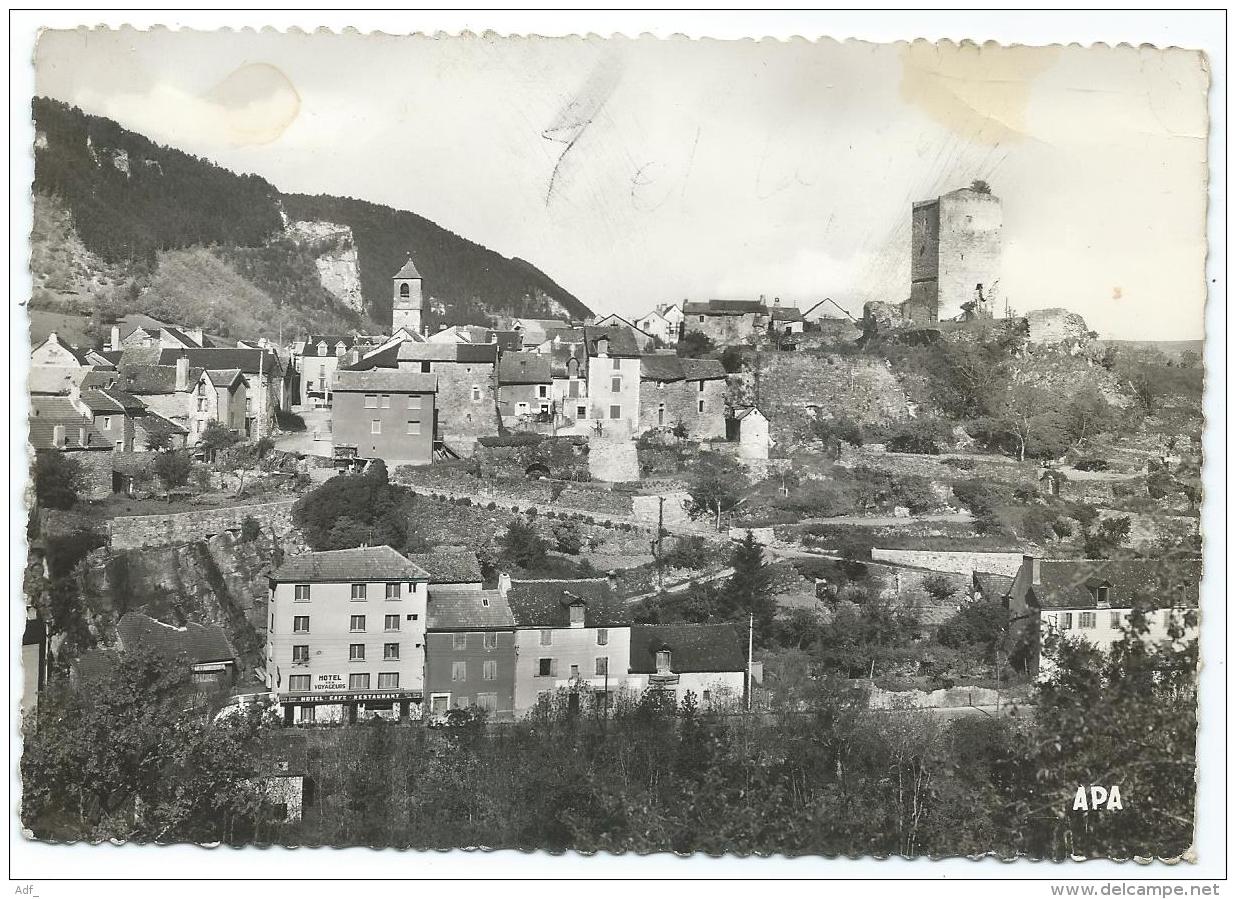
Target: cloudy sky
x=644 y=171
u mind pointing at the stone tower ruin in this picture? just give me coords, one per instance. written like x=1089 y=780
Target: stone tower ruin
x=955 y=255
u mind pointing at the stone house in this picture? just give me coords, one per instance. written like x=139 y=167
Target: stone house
x=184 y=397
x=470 y=655
x=664 y=322
x=1091 y=600
x=58 y=369
x=267 y=380
x=346 y=635
x=708 y=660
x=749 y=427
x=315 y=365
x=205 y=648
x=677 y=391
x=572 y=635
x=466 y=399
x=642 y=338
x=726 y=321
x=784 y=321
x=57 y=425
x=385 y=414
x=115 y=414
x=535 y=331
x=613 y=375
x=524 y=388
x=568 y=369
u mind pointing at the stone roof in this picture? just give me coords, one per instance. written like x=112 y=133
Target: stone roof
x=621 y=341
x=524 y=368
x=429 y=351
x=693 y=647
x=449 y=567
x=408 y=271
x=703 y=370
x=1161 y=583
x=331 y=341
x=225 y=377
x=785 y=313
x=668 y=367
x=108 y=399
x=154 y=380
x=194 y=643
x=249 y=361
x=546 y=604
x=46 y=412
x=389 y=379
x=993 y=585
x=152 y=423
x=367 y=563
x=468 y=610
x=724 y=307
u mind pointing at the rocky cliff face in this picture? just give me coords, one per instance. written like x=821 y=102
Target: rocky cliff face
x=334 y=249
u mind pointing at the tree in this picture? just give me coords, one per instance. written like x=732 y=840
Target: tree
x=567 y=538
x=216 y=437
x=749 y=590
x=1107 y=537
x=980 y=186
x=716 y=487
x=133 y=756
x=1027 y=416
x=58 y=479
x=173 y=470
x=158 y=441
x=694 y=344
x=1088 y=414
x=731 y=359
x=523 y=545
x=354 y=509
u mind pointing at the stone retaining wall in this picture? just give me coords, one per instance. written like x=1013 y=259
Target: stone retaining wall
x=1007 y=563
x=138 y=531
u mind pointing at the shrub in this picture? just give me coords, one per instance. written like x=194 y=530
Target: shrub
x=921 y=435
x=289 y=421
x=262 y=447
x=568 y=539
x=980 y=497
x=1092 y=465
x=249 y=529
x=1025 y=493
x=512 y=440
x=959 y=464
x=57 y=480
x=522 y=545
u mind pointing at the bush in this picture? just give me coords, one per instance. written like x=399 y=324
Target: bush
x=249 y=529
x=959 y=464
x=512 y=440
x=568 y=539
x=1092 y=465
x=980 y=497
x=57 y=479
x=262 y=447
x=922 y=435
x=835 y=431
x=522 y=545
x=351 y=509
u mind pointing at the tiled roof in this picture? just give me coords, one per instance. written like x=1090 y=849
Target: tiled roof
x=331 y=341
x=225 y=377
x=82 y=356
x=741 y=412
x=429 y=351
x=547 y=603
x=703 y=370
x=993 y=586
x=105 y=400
x=408 y=270
x=197 y=642
x=693 y=647
x=246 y=360
x=508 y=341
x=157 y=424
x=135 y=355
x=785 y=313
x=46 y=412
x=182 y=338
x=1070 y=584
x=621 y=341
x=449 y=567
x=391 y=379
x=367 y=563
x=468 y=610
x=660 y=367
x=98 y=378
x=524 y=368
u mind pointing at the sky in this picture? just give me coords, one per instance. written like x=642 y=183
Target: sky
x=638 y=171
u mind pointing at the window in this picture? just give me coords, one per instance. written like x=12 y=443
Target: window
x=1103 y=594
x=301 y=592
x=390 y=652
x=405 y=290
x=615 y=412
x=386 y=401
x=602 y=665
x=487 y=701
x=546 y=667
x=574 y=672
x=615 y=385
x=1116 y=616
x=581 y=411
x=388 y=680
x=701 y=386
x=393 y=590
x=358 y=681
x=459 y=671
x=414 y=402
x=201 y=404
x=414 y=427
x=489 y=670
x=1086 y=619
x=663 y=660
x=201 y=388
x=602 y=636
x=521 y=408
x=391 y=623
x=701 y=319
x=357 y=623
x=1066 y=621
x=107 y=422
x=577 y=616
x=542 y=391
x=120 y=445
x=459 y=641
x=300 y=624
x=491 y=641
x=476 y=394
x=307 y=714
x=547 y=638
x=617 y=365
x=371 y=401
x=300 y=654
x=375 y=426
x=298 y=683
x=360 y=592
x=356 y=652
x=700 y=406
x=426 y=367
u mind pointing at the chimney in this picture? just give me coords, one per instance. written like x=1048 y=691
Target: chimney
x=504 y=584
x=197 y=335
x=58 y=440
x=1035 y=569
x=114 y=344
x=182 y=372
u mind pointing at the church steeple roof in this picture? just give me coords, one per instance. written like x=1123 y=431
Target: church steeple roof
x=408 y=270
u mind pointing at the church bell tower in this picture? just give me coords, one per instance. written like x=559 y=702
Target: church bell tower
x=407 y=299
